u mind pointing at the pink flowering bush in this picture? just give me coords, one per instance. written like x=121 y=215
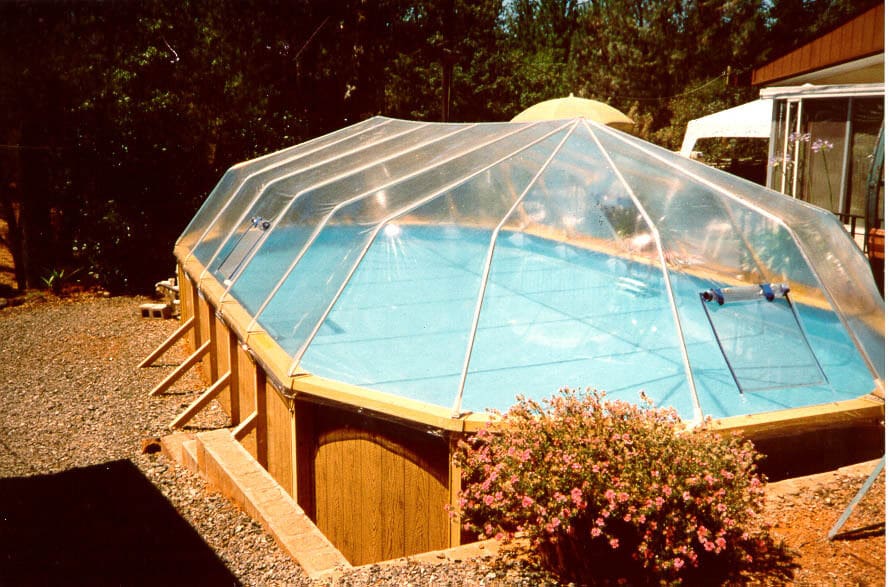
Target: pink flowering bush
x=610 y=492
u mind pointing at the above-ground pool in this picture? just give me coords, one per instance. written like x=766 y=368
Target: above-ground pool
x=359 y=300
x=461 y=265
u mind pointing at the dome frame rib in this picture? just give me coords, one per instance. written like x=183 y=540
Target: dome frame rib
x=294 y=367
x=671 y=295
x=486 y=271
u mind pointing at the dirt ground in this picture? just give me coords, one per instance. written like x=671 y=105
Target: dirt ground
x=801 y=510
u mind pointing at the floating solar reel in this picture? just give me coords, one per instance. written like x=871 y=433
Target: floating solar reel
x=760 y=335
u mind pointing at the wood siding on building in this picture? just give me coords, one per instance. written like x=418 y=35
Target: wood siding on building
x=861 y=37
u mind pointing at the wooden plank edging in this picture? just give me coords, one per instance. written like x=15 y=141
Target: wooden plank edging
x=227 y=466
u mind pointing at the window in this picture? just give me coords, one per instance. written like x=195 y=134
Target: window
x=822 y=150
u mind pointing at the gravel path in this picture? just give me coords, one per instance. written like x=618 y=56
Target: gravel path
x=74 y=403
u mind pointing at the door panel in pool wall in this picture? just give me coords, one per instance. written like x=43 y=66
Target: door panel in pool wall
x=380 y=488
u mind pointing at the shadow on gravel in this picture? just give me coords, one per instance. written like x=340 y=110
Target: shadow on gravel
x=99 y=525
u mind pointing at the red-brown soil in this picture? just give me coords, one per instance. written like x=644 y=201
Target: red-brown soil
x=804 y=510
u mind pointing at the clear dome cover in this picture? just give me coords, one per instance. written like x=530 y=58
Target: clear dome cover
x=463 y=264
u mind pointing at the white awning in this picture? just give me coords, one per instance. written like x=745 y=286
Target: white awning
x=752 y=119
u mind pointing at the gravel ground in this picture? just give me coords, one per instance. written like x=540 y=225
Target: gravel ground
x=74 y=403
x=73 y=398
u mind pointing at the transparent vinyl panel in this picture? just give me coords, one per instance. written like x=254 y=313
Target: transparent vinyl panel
x=338 y=245
x=270 y=198
x=461 y=265
x=414 y=292
x=809 y=246
x=572 y=311
x=222 y=195
x=331 y=200
x=757 y=246
x=272 y=187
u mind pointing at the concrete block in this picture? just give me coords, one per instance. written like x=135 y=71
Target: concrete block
x=162 y=311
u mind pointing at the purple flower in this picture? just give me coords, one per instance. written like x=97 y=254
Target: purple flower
x=821 y=145
x=776 y=160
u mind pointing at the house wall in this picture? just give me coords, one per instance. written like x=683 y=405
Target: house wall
x=861 y=37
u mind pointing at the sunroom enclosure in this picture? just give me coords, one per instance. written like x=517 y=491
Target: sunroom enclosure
x=823 y=148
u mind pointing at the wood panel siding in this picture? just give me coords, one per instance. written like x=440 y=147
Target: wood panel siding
x=856 y=39
x=247 y=397
x=187 y=295
x=304 y=422
x=262 y=429
x=204 y=319
x=279 y=446
x=220 y=355
x=380 y=488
